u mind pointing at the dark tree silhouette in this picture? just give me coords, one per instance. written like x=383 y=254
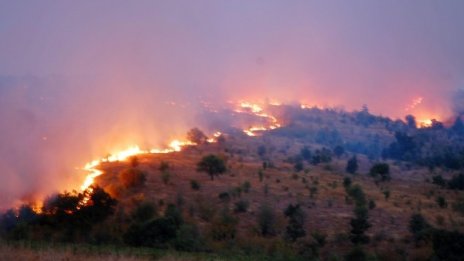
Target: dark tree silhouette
x=382 y=170
x=295 y=227
x=212 y=164
x=195 y=135
x=359 y=225
x=352 y=165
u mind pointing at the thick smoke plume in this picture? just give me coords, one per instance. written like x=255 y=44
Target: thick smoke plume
x=84 y=78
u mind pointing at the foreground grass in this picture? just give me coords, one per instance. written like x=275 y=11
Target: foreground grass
x=73 y=252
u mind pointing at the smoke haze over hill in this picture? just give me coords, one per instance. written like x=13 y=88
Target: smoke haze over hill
x=80 y=79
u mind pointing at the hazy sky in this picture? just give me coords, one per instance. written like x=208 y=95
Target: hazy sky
x=100 y=72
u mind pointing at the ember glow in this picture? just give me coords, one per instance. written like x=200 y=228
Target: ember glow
x=91 y=167
x=415 y=102
x=258 y=110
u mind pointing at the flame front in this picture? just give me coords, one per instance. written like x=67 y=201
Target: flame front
x=257 y=110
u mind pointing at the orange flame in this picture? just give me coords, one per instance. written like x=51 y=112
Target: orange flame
x=257 y=110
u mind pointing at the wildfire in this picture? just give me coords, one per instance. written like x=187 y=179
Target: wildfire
x=92 y=166
x=424 y=123
x=257 y=110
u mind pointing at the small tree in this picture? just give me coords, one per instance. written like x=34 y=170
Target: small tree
x=352 y=165
x=195 y=135
x=212 y=165
x=295 y=228
x=359 y=225
x=339 y=151
x=306 y=153
x=382 y=170
x=132 y=177
x=448 y=245
x=418 y=227
x=195 y=185
x=266 y=221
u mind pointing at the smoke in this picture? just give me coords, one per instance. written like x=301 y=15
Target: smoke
x=458 y=102
x=109 y=74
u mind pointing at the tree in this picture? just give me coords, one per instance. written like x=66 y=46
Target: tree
x=439 y=180
x=458 y=126
x=359 y=225
x=357 y=193
x=99 y=206
x=457 y=182
x=296 y=219
x=382 y=170
x=306 y=153
x=298 y=166
x=224 y=227
x=266 y=221
x=132 y=177
x=419 y=227
x=352 y=165
x=339 y=150
x=195 y=135
x=411 y=121
x=212 y=165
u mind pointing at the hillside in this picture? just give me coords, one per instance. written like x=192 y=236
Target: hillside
x=285 y=192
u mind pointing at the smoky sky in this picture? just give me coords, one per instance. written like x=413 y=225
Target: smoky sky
x=79 y=78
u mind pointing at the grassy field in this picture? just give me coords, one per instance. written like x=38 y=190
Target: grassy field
x=71 y=252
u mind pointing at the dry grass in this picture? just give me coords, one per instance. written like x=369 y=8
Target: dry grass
x=73 y=253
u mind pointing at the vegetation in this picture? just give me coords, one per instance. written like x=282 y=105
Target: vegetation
x=295 y=228
x=196 y=136
x=212 y=165
x=380 y=170
x=352 y=165
x=280 y=191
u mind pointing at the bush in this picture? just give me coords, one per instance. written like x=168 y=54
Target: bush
x=266 y=221
x=224 y=226
x=448 y=245
x=246 y=186
x=195 y=135
x=132 y=177
x=457 y=182
x=357 y=254
x=438 y=180
x=419 y=227
x=195 y=185
x=298 y=166
x=144 y=212
x=359 y=225
x=352 y=165
x=296 y=220
x=188 y=238
x=156 y=233
x=458 y=206
x=165 y=177
x=357 y=194
x=212 y=165
x=164 y=166
x=224 y=196
x=241 y=206
x=372 y=204
x=382 y=170
x=347 y=182
x=441 y=201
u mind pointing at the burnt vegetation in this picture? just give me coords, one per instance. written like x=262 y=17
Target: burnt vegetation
x=328 y=185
